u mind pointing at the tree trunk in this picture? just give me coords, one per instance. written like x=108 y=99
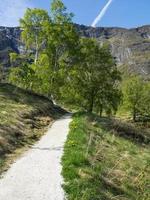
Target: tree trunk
x=101 y=110
x=134 y=115
x=91 y=105
x=36 y=50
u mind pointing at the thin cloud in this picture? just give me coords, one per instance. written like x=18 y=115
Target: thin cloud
x=101 y=14
x=12 y=10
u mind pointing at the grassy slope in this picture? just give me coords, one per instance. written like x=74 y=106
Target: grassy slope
x=23 y=117
x=99 y=163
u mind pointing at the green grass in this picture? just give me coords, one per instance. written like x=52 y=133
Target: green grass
x=23 y=119
x=101 y=164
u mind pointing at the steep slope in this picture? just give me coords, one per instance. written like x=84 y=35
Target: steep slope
x=130 y=47
x=106 y=160
x=23 y=118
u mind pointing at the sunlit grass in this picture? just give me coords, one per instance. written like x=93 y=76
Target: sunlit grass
x=98 y=164
x=23 y=117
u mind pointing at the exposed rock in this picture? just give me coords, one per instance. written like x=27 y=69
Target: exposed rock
x=131 y=47
x=9 y=42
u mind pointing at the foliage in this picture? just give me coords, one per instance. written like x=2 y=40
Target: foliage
x=145 y=104
x=66 y=68
x=33 y=26
x=93 y=82
x=137 y=97
x=59 y=13
x=13 y=57
x=54 y=40
x=23 y=76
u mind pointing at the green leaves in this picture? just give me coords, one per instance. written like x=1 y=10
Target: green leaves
x=71 y=70
x=92 y=81
x=59 y=13
x=137 y=97
x=33 y=25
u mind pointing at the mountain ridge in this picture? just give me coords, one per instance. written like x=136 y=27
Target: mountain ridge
x=130 y=46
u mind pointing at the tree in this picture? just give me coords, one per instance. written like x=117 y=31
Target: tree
x=54 y=40
x=59 y=14
x=108 y=100
x=32 y=25
x=23 y=76
x=93 y=82
x=65 y=67
x=60 y=53
x=145 y=103
x=137 y=96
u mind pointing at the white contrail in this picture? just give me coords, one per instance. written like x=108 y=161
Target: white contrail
x=102 y=13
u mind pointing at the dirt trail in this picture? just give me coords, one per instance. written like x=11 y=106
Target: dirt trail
x=37 y=174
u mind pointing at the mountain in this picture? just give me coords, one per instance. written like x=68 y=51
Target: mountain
x=130 y=47
x=9 y=42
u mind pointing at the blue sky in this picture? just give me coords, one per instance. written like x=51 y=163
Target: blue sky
x=122 y=13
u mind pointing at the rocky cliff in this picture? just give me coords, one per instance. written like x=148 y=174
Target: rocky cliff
x=130 y=47
x=9 y=42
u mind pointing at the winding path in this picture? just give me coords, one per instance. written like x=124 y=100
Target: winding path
x=37 y=174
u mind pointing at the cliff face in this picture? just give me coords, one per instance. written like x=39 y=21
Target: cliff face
x=9 y=42
x=131 y=47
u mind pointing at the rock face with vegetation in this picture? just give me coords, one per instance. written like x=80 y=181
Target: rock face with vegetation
x=130 y=47
x=9 y=42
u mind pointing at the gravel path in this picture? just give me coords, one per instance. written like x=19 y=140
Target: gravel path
x=37 y=175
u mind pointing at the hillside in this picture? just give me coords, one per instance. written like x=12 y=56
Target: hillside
x=105 y=162
x=130 y=47
x=23 y=118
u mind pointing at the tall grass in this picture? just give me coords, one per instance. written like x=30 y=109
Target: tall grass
x=99 y=164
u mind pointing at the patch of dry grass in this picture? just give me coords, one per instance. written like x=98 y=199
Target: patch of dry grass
x=23 y=119
x=100 y=163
